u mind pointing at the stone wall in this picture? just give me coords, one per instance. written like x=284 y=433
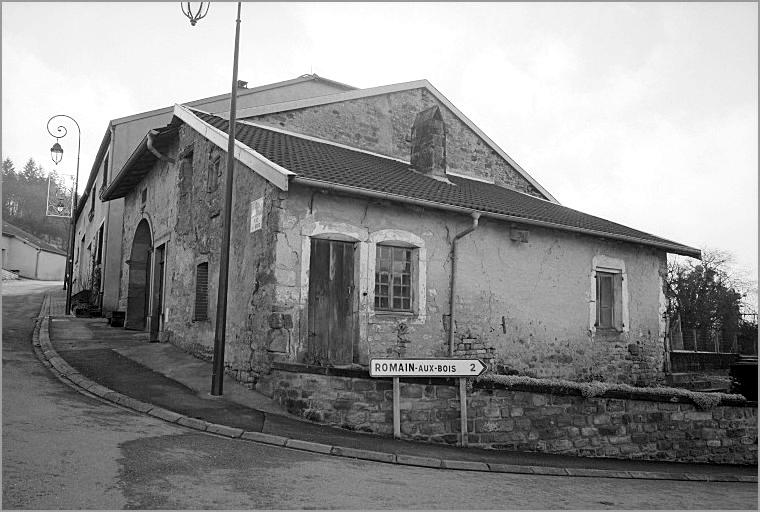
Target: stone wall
x=184 y=208
x=197 y=239
x=383 y=124
x=616 y=425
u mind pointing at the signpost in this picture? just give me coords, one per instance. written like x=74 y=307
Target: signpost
x=431 y=368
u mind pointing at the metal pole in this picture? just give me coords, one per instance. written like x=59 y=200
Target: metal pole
x=72 y=231
x=217 y=376
x=396 y=409
x=463 y=410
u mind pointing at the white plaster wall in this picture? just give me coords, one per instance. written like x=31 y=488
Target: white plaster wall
x=527 y=301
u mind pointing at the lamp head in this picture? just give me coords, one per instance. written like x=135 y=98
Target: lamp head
x=56 y=153
x=200 y=13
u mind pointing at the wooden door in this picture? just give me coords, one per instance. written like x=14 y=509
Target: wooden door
x=332 y=310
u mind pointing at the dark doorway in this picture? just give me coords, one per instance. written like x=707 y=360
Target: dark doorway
x=332 y=309
x=139 y=274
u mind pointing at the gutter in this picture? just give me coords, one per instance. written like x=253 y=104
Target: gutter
x=452 y=288
x=668 y=247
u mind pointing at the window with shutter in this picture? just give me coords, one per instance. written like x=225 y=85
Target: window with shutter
x=605 y=300
x=201 y=292
x=610 y=300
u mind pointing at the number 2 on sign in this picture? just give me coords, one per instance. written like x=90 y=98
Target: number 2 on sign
x=472 y=367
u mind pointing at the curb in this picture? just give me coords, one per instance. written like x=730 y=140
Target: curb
x=45 y=352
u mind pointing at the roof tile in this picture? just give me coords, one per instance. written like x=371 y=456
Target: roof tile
x=354 y=168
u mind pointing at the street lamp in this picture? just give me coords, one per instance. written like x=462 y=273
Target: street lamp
x=56 y=154
x=217 y=376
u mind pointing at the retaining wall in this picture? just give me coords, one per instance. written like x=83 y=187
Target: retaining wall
x=617 y=425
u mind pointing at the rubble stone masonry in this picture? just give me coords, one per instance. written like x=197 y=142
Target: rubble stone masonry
x=184 y=208
x=614 y=425
x=383 y=124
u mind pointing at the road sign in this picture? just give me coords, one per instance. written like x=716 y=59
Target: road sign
x=426 y=367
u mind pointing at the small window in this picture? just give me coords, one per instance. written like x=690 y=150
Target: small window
x=608 y=300
x=393 y=278
x=212 y=178
x=143 y=197
x=201 y=292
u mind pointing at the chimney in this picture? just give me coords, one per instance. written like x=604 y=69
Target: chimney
x=429 y=144
x=242 y=84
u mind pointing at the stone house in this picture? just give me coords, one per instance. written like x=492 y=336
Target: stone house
x=380 y=223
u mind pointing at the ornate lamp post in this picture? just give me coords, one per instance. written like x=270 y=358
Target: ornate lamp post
x=220 y=332
x=56 y=154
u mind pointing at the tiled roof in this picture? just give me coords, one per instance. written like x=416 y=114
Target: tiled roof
x=333 y=164
x=15 y=231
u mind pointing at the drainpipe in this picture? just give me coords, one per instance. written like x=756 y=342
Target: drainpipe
x=452 y=288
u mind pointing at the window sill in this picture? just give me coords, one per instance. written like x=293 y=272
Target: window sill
x=394 y=313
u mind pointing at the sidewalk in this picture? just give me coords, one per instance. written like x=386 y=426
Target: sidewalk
x=163 y=381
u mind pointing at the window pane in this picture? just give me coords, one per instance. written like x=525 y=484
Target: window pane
x=393 y=279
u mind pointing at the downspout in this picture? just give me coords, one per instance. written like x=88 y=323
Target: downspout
x=452 y=288
x=149 y=144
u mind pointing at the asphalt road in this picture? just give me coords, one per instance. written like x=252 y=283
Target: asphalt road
x=63 y=450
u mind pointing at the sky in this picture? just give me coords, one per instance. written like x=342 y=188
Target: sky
x=645 y=114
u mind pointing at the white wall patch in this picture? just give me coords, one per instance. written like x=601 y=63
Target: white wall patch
x=257 y=213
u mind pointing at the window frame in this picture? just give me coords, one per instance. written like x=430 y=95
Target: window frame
x=410 y=252
x=614 y=270
x=418 y=285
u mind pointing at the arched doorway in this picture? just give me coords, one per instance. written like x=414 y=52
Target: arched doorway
x=138 y=292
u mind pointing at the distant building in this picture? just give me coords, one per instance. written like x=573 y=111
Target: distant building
x=31 y=257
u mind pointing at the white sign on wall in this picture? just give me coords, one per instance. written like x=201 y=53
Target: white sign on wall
x=257 y=213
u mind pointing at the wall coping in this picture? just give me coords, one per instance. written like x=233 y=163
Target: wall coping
x=548 y=388
x=358 y=373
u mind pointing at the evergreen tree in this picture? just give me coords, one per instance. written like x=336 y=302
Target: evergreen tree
x=25 y=202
